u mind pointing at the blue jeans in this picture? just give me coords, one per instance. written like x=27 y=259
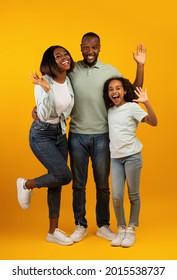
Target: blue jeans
x=50 y=147
x=81 y=148
x=126 y=169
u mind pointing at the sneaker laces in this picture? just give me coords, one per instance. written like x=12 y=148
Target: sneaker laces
x=130 y=232
x=57 y=229
x=28 y=195
x=108 y=228
x=78 y=228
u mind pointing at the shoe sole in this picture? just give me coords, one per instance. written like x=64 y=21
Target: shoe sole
x=115 y=245
x=105 y=237
x=80 y=238
x=128 y=245
x=51 y=240
x=19 y=186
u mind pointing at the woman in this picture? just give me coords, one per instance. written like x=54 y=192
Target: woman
x=54 y=100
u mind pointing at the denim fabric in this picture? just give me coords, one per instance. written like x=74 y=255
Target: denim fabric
x=126 y=169
x=81 y=148
x=50 y=147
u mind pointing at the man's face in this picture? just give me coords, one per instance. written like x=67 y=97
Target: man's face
x=90 y=48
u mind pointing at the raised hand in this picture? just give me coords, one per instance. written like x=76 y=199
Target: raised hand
x=140 y=55
x=142 y=95
x=40 y=81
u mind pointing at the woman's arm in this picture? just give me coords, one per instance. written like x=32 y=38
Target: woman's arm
x=40 y=81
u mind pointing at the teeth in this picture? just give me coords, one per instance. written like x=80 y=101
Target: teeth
x=116 y=96
x=65 y=62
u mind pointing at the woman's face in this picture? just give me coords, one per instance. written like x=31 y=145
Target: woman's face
x=62 y=59
x=116 y=92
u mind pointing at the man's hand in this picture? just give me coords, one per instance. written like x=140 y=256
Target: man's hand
x=34 y=115
x=140 y=55
x=40 y=81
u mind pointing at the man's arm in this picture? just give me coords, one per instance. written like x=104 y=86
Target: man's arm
x=34 y=114
x=139 y=57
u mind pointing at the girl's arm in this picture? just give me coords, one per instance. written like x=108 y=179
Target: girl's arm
x=151 y=118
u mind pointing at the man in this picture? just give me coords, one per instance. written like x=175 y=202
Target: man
x=88 y=135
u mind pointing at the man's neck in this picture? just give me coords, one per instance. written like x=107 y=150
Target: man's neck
x=90 y=64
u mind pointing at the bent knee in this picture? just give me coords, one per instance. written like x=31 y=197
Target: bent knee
x=65 y=179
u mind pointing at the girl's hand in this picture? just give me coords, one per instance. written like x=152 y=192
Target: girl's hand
x=142 y=95
x=40 y=81
x=140 y=55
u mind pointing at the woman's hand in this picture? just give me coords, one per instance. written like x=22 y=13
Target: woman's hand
x=40 y=81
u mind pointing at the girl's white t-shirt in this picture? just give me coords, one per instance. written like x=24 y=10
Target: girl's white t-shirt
x=123 y=122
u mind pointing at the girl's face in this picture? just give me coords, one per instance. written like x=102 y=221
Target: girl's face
x=62 y=59
x=116 y=92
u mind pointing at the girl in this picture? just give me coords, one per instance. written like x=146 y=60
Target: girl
x=123 y=118
x=54 y=100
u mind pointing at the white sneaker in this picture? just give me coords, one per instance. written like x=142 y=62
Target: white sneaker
x=24 y=195
x=120 y=236
x=79 y=233
x=59 y=237
x=129 y=238
x=106 y=233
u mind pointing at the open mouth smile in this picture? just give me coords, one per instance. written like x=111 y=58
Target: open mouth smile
x=65 y=62
x=116 y=96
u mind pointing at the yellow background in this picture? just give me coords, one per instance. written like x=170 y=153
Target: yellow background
x=28 y=28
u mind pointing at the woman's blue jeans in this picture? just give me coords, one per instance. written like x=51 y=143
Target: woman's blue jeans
x=81 y=148
x=126 y=169
x=50 y=147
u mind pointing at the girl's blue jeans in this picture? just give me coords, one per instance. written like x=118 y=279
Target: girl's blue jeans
x=126 y=169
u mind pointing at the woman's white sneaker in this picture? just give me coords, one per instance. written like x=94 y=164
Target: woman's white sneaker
x=23 y=194
x=129 y=238
x=59 y=237
x=120 y=236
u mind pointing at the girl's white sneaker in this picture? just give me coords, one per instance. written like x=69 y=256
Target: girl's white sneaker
x=129 y=238
x=120 y=236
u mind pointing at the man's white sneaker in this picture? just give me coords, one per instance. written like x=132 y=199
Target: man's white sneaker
x=106 y=233
x=59 y=237
x=129 y=238
x=79 y=233
x=24 y=195
x=120 y=236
